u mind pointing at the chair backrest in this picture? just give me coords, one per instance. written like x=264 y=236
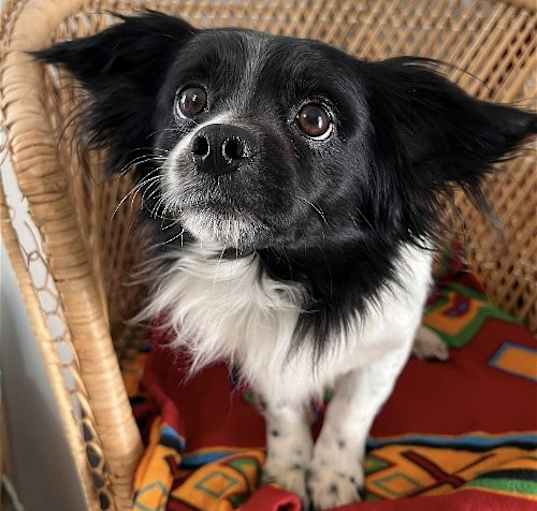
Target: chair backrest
x=85 y=245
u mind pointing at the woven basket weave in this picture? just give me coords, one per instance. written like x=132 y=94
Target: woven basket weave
x=73 y=256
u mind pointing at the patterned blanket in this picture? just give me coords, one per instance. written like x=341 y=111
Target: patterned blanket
x=456 y=435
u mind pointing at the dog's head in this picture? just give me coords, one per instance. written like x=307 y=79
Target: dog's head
x=257 y=141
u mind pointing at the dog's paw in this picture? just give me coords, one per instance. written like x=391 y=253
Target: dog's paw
x=428 y=345
x=329 y=487
x=291 y=477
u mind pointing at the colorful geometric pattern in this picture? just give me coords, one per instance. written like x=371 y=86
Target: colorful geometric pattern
x=418 y=470
x=516 y=359
x=155 y=472
x=456 y=313
x=220 y=485
x=205 y=439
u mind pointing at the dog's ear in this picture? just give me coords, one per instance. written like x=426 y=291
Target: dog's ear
x=122 y=68
x=431 y=132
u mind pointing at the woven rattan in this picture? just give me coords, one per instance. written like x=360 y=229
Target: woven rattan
x=73 y=253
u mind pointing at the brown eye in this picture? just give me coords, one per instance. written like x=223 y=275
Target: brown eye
x=314 y=121
x=191 y=101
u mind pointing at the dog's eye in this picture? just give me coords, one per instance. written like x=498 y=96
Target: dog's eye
x=314 y=121
x=191 y=101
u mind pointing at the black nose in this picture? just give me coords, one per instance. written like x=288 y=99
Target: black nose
x=220 y=148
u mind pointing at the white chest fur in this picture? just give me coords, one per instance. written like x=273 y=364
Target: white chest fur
x=230 y=309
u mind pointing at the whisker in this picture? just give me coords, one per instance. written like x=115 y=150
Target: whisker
x=365 y=219
x=132 y=192
x=154 y=189
x=144 y=158
x=316 y=208
x=180 y=235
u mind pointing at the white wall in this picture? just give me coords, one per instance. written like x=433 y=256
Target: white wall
x=40 y=465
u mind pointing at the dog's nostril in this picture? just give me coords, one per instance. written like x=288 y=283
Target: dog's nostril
x=233 y=149
x=200 y=147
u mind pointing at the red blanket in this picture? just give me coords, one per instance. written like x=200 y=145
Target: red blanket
x=459 y=435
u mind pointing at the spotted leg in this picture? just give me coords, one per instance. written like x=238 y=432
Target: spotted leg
x=336 y=473
x=289 y=446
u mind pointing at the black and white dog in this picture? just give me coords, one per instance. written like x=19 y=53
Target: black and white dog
x=296 y=194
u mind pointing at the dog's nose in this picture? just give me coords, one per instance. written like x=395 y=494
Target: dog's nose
x=220 y=148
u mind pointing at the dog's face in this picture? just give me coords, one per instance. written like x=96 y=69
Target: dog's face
x=263 y=136
x=257 y=141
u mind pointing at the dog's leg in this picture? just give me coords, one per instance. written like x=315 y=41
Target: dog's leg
x=336 y=473
x=289 y=445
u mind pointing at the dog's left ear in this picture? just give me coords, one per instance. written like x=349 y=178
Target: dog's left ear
x=123 y=69
x=434 y=134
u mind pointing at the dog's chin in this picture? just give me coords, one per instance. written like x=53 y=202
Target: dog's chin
x=227 y=229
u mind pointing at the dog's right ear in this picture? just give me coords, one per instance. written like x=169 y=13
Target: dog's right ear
x=123 y=68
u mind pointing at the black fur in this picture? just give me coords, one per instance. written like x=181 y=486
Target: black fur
x=331 y=215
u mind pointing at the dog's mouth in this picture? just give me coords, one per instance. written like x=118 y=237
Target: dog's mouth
x=224 y=224
x=215 y=217
x=220 y=210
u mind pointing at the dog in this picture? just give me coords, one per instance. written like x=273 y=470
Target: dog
x=294 y=195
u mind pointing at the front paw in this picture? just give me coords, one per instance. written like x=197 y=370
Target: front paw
x=429 y=345
x=289 y=476
x=331 y=486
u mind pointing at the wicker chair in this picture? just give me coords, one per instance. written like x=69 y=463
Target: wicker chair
x=73 y=259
